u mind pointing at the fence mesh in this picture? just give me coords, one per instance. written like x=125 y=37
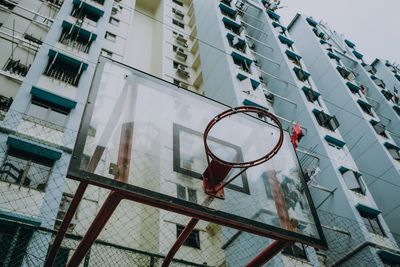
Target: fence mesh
x=34 y=198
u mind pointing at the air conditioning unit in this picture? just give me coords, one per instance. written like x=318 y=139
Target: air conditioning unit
x=180 y=55
x=178 y=13
x=181 y=41
x=181 y=71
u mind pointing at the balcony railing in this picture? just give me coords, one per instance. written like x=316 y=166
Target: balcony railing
x=75 y=41
x=42 y=131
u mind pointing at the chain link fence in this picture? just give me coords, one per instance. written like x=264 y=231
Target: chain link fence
x=35 y=196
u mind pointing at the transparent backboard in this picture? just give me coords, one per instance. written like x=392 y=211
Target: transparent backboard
x=144 y=136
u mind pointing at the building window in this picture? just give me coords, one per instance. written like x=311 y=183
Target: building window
x=366 y=108
x=114 y=21
x=242 y=63
x=296 y=250
x=180 y=84
x=8 y=4
x=193 y=239
x=237 y=43
x=353 y=181
x=84 y=12
x=178 y=14
x=186 y=193
x=106 y=53
x=379 y=128
x=26 y=169
x=14 y=240
x=111 y=37
x=48 y=112
x=179 y=3
x=181 y=70
x=372 y=223
x=177 y=23
x=393 y=151
x=311 y=95
x=326 y=121
x=64 y=68
x=232 y=26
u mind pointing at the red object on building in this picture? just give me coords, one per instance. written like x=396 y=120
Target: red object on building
x=362 y=89
x=297 y=134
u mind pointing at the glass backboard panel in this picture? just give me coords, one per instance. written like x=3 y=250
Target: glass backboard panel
x=143 y=134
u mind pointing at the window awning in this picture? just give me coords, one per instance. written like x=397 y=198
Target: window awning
x=350 y=44
x=241 y=58
x=311 y=22
x=292 y=55
x=305 y=89
x=388 y=256
x=231 y=23
x=306 y=74
x=396 y=108
x=273 y=15
x=254 y=83
x=334 y=140
x=388 y=95
x=397 y=77
x=285 y=40
x=9 y=216
x=367 y=209
x=91 y=9
x=241 y=76
x=390 y=145
x=323 y=41
x=227 y=9
x=53 y=98
x=247 y=102
x=353 y=87
x=34 y=148
x=85 y=33
x=332 y=55
x=363 y=103
x=357 y=54
x=276 y=24
x=68 y=59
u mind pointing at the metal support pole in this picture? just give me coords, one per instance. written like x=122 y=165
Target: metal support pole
x=108 y=208
x=179 y=241
x=268 y=253
x=65 y=223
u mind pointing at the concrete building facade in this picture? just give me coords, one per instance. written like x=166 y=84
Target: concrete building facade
x=236 y=52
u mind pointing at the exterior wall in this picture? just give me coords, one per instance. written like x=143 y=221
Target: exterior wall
x=365 y=144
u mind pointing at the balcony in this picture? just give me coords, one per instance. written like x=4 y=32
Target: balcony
x=64 y=68
x=227 y=11
x=84 y=11
x=325 y=120
x=289 y=43
x=345 y=73
x=378 y=82
x=242 y=62
x=76 y=37
x=231 y=25
x=294 y=58
x=236 y=42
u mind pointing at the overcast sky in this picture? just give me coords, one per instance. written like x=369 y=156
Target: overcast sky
x=374 y=26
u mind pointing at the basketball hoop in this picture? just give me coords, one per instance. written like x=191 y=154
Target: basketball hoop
x=218 y=169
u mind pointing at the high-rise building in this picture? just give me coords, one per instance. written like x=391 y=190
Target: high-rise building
x=235 y=52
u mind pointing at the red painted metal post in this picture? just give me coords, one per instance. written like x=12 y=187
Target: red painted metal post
x=65 y=223
x=179 y=241
x=111 y=203
x=268 y=253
